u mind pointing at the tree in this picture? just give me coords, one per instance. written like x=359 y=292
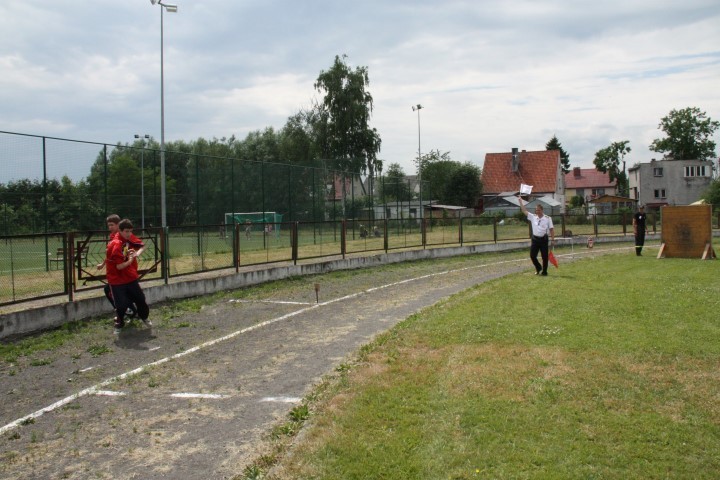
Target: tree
x=464 y=187
x=576 y=201
x=436 y=170
x=712 y=194
x=343 y=120
x=554 y=144
x=394 y=185
x=607 y=160
x=689 y=135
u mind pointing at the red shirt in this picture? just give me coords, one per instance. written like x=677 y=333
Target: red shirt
x=134 y=241
x=117 y=253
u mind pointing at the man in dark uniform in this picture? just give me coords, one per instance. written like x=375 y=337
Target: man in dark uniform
x=639 y=230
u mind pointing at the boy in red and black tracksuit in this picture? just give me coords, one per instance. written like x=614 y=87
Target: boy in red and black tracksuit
x=112 y=222
x=122 y=276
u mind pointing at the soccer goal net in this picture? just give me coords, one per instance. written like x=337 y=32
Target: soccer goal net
x=266 y=222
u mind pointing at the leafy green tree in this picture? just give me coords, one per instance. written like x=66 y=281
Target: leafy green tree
x=394 y=185
x=689 y=135
x=211 y=178
x=297 y=143
x=576 y=201
x=437 y=168
x=464 y=187
x=608 y=160
x=343 y=117
x=554 y=144
x=25 y=198
x=712 y=194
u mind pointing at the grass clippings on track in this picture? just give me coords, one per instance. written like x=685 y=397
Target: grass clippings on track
x=608 y=368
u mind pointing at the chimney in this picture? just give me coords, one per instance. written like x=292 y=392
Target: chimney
x=576 y=172
x=515 y=163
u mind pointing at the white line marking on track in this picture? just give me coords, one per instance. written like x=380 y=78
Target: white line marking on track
x=109 y=393
x=281 y=302
x=94 y=389
x=281 y=399
x=199 y=395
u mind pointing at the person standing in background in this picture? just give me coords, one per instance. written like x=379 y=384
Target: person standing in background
x=639 y=230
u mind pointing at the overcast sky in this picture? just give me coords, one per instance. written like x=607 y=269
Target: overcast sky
x=491 y=75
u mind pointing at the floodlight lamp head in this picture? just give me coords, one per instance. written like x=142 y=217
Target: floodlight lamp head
x=170 y=8
x=417 y=107
x=153 y=1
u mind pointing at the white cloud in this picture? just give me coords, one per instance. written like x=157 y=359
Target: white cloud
x=491 y=75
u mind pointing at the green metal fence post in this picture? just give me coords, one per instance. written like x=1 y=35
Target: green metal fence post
x=386 y=242
x=343 y=237
x=460 y=230
x=165 y=254
x=236 y=246
x=294 y=237
x=595 y=225
x=68 y=265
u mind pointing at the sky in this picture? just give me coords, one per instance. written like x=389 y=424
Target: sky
x=490 y=75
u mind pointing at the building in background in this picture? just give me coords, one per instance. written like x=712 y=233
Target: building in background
x=669 y=182
x=503 y=173
x=588 y=184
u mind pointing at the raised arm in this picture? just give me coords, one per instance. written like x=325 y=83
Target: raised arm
x=522 y=206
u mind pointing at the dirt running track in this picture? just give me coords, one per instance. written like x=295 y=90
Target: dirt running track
x=133 y=412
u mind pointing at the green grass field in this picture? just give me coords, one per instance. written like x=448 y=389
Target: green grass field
x=607 y=369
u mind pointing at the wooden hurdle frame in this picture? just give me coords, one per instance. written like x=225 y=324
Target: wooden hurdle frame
x=687 y=232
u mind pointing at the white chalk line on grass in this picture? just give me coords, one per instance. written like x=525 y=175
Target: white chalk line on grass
x=95 y=389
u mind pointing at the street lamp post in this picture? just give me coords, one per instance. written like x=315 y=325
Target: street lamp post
x=163 y=208
x=418 y=107
x=142 y=176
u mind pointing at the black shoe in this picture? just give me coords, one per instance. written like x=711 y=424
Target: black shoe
x=117 y=327
x=544 y=274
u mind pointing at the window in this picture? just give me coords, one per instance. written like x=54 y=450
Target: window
x=657 y=172
x=695 y=171
x=596 y=192
x=660 y=193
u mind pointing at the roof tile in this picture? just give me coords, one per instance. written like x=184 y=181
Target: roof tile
x=588 y=178
x=538 y=169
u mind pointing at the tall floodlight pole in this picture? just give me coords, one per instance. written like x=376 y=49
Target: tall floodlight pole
x=142 y=176
x=163 y=207
x=418 y=107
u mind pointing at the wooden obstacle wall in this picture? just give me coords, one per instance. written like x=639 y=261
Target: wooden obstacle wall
x=687 y=232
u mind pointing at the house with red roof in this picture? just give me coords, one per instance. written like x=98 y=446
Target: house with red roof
x=588 y=184
x=503 y=173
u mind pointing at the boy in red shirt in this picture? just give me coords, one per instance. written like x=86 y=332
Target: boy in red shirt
x=122 y=276
x=112 y=222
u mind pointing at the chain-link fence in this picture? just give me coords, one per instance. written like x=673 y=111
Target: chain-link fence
x=51 y=185
x=43 y=265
